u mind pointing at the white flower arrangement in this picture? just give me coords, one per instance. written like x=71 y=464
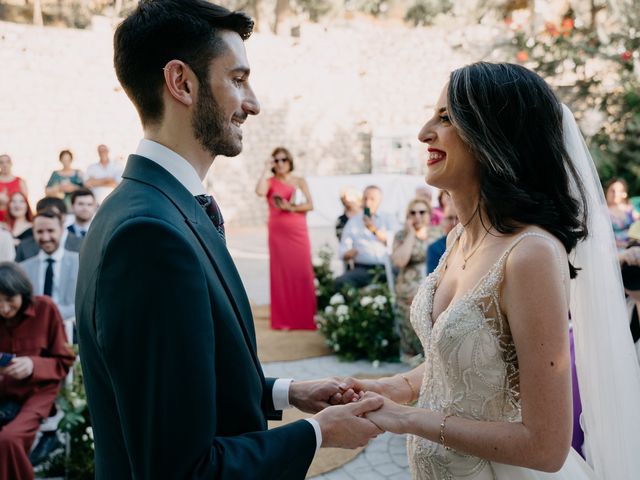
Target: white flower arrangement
x=366 y=300
x=337 y=299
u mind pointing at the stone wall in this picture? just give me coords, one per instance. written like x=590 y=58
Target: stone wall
x=322 y=95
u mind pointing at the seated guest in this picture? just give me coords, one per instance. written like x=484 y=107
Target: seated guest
x=363 y=245
x=54 y=270
x=408 y=256
x=20 y=218
x=352 y=201
x=620 y=210
x=65 y=181
x=31 y=330
x=83 y=207
x=29 y=248
x=437 y=248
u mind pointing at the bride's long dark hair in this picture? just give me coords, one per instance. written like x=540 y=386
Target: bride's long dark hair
x=512 y=122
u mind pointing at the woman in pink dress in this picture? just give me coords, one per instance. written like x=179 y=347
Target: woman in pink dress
x=293 y=296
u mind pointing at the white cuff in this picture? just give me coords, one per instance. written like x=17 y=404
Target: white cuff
x=280 y=393
x=316 y=427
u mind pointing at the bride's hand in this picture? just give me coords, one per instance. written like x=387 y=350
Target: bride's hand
x=390 y=417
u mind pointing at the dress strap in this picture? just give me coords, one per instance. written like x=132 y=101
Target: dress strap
x=500 y=264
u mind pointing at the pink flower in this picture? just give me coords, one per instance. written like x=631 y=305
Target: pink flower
x=626 y=56
x=522 y=56
x=551 y=29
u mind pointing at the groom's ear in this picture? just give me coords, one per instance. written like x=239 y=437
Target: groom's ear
x=180 y=82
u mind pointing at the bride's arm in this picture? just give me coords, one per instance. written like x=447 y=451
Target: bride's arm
x=535 y=301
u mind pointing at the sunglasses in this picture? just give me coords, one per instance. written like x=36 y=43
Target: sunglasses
x=280 y=160
x=417 y=212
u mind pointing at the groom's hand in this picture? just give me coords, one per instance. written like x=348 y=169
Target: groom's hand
x=343 y=426
x=314 y=395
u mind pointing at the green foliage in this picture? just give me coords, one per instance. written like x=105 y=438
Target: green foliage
x=422 y=12
x=325 y=286
x=357 y=323
x=78 y=462
x=315 y=9
x=596 y=70
x=360 y=324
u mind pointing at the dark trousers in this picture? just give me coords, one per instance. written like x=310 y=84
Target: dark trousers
x=361 y=276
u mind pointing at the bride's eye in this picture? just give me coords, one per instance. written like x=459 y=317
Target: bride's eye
x=445 y=119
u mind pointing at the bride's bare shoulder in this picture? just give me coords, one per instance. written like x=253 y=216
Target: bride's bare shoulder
x=539 y=254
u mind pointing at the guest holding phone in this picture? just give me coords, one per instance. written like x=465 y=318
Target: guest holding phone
x=363 y=245
x=293 y=296
x=409 y=255
x=36 y=357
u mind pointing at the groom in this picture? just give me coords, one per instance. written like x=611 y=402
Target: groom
x=167 y=342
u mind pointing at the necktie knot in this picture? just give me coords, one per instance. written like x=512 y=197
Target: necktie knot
x=213 y=212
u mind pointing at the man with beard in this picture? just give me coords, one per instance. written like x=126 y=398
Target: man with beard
x=174 y=386
x=53 y=271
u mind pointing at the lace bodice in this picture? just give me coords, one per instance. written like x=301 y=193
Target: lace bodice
x=471 y=367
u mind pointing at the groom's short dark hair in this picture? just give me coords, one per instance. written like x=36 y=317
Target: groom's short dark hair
x=159 y=31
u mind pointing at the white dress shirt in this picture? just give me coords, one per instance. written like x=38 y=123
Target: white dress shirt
x=371 y=251
x=110 y=170
x=184 y=172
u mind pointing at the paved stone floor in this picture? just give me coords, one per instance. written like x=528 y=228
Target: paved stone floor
x=385 y=457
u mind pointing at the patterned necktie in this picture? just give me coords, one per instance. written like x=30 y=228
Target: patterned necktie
x=213 y=212
x=48 y=278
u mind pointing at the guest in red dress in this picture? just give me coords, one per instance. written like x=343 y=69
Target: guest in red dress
x=32 y=330
x=293 y=296
x=9 y=184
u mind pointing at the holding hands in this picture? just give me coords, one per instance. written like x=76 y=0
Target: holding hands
x=353 y=411
x=341 y=411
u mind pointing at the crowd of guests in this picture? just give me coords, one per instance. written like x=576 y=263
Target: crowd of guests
x=38 y=274
x=374 y=248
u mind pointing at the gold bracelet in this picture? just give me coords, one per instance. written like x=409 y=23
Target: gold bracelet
x=442 y=426
x=414 y=394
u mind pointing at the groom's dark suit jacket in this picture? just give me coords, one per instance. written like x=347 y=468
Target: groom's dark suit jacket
x=168 y=348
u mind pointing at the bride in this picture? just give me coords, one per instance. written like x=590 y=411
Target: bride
x=493 y=397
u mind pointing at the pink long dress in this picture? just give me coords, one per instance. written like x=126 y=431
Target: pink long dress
x=293 y=295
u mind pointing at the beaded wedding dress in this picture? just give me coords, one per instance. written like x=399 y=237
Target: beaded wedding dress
x=471 y=371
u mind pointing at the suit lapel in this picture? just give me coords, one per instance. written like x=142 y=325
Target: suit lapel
x=146 y=171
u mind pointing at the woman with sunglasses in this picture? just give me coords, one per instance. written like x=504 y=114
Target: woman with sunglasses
x=293 y=294
x=409 y=255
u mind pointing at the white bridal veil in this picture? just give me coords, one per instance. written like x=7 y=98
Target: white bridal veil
x=607 y=365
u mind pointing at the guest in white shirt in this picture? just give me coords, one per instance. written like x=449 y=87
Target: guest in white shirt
x=83 y=207
x=7 y=247
x=103 y=176
x=54 y=270
x=363 y=245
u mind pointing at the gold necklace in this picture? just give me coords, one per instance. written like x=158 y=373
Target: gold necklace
x=467 y=257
